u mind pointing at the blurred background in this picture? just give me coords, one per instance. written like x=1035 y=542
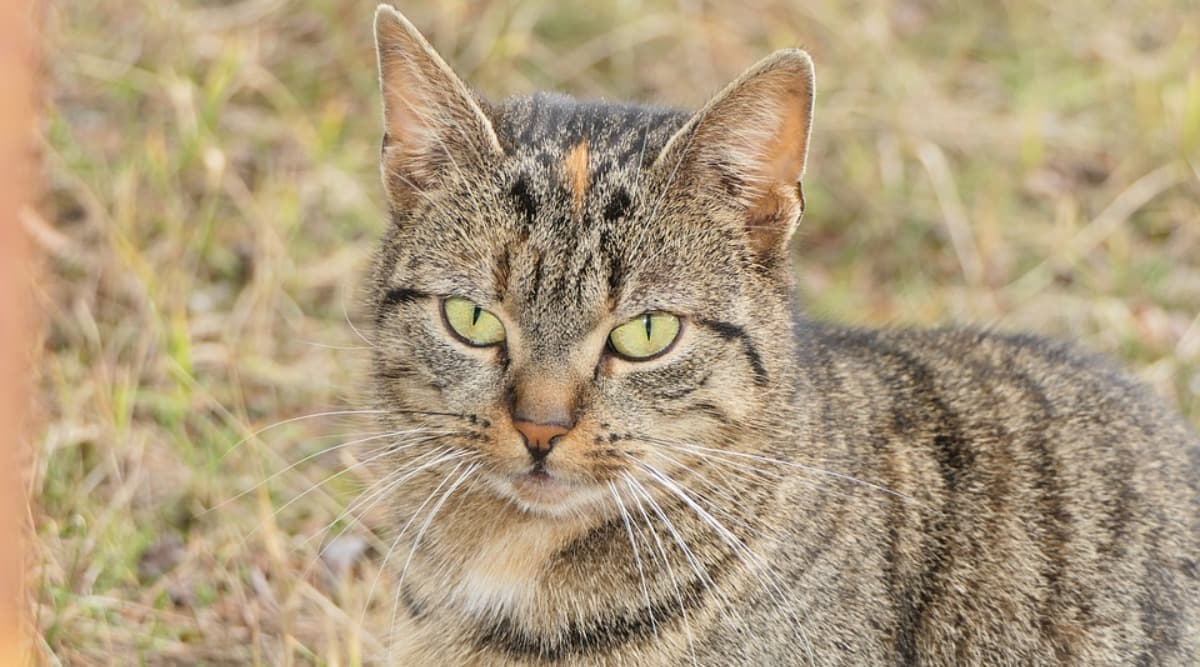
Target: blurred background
x=211 y=197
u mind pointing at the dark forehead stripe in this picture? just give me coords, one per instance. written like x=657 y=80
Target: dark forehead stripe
x=563 y=150
x=523 y=198
x=618 y=206
x=615 y=266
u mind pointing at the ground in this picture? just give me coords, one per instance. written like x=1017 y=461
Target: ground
x=211 y=195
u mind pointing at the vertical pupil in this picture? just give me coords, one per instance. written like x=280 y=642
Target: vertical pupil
x=646 y=321
x=475 y=315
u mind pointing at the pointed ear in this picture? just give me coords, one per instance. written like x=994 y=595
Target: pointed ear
x=750 y=143
x=434 y=127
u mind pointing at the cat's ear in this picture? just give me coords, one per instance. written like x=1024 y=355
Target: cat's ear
x=432 y=122
x=750 y=143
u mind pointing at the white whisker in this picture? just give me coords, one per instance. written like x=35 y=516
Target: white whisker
x=400 y=535
x=791 y=464
x=386 y=450
x=277 y=474
x=369 y=499
x=699 y=568
x=361 y=335
x=417 y=542
x=635 y=487
x=636 y=554
x=331 y=413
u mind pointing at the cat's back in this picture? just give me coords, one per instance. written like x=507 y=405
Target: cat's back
x=1042 y=506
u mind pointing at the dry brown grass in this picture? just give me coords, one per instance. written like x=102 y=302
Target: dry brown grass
x=211 y=194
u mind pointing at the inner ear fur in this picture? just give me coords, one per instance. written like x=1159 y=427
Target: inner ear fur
x=433 y=123
x=751 y=142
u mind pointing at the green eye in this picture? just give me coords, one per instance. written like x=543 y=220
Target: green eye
x=474 y=325
x=645 y=336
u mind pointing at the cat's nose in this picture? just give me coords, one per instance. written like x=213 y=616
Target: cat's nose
x=540 y=438
x=543 y=410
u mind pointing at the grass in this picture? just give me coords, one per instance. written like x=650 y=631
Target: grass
x=211 y=194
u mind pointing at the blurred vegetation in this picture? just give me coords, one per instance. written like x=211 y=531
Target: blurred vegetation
x=212 y=194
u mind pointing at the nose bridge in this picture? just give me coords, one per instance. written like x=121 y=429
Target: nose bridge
x=545 y=395
x=543 y=410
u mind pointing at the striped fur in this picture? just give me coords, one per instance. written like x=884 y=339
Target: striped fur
x=772 y=490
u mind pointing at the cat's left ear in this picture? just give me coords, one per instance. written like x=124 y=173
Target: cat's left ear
x=432 y=122
x=750 y=143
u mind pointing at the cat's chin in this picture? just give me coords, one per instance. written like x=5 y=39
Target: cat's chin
x=546 y=494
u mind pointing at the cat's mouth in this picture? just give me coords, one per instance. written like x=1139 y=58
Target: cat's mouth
x=541 y=488
x=544 y=489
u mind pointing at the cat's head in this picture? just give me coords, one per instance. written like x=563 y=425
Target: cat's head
x=573 y=293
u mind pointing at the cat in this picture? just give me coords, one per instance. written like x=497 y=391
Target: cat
x=617 y=443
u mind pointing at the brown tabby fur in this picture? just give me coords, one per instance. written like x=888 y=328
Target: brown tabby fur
x=772 y=490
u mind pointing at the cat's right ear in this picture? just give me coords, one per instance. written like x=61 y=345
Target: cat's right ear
x=432 y=123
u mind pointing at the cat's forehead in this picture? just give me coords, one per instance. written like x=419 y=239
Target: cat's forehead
x=579 y=155
x=579 y=179
x=577 y=230
x=550 y=124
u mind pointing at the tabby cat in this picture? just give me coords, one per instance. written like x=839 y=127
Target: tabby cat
x=618 y=444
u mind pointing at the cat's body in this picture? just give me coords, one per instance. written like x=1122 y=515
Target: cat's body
x=761 y=489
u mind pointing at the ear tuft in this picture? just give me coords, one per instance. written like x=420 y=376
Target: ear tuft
x=751 y=141
x=432 y=122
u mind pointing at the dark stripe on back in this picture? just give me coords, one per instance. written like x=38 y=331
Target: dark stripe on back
x=1161 y=606
x=917 y=404
x=1052 y=513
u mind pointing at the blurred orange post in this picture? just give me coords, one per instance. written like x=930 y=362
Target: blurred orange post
x=18 y=69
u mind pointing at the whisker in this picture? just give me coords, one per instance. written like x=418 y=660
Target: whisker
x=331 y=413
x=758 y=567
x=766 y=459
x=432 y=513
x=717 y=488
x=380 y=452
x=361 y=336
x=368 y=500
x=367 y=497
x=404 y=529
x=636 y=554
x=311 y=487
x=700 y=570
x=417 y=541
x=330 y=346
x=740 y=467
x=634 y=487
x=304 y=460
x=388 y=485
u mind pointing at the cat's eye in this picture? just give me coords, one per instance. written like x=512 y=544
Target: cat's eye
x=471 y=323
x=644 y=337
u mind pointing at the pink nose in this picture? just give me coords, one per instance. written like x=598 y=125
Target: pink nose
x=540 y=438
